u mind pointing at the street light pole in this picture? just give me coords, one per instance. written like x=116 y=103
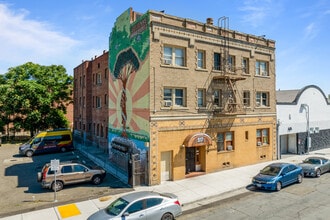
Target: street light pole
x=306 y=107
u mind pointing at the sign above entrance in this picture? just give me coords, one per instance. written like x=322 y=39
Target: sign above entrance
x=197 y=139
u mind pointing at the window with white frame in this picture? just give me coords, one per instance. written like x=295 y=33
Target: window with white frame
x=174 y=56
x=201 y=59
x=98 y=102
x=262 y=99
x=225 y=141
x=246 y=98
x=201 y=97
x=217 y=61
x=245 y=65
x=174 y=97
x=262 y=136
x=261 y=68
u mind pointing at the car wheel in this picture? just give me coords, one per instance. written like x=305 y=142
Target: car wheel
x=96 y=180
x=167 y=216
x=299 y=178
x=63 y=149
x=58 y=185
x=29 y=153
x=278 y=186
x=318 y=173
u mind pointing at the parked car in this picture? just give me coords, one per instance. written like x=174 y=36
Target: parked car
x=69 y=173
x=277 y=175
x=315 y=166
x=141 y=205
x=59 y=140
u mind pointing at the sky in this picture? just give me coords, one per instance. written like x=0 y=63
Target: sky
x=65 y=32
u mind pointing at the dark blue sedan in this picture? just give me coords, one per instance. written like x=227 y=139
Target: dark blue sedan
x=277 y=175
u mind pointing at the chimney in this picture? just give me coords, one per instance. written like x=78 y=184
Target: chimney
x=209 y=21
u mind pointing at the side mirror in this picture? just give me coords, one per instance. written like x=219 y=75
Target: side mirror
x=126 y=214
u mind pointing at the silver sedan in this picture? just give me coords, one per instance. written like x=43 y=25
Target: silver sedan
x=141 y=205
x=315 y=166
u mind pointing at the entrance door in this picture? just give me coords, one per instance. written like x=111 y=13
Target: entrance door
x=165 y=164
x=190 y=159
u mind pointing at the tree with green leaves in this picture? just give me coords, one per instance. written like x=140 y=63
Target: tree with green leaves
x=34 y=97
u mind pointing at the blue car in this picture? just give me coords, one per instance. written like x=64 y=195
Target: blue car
x=277 y=175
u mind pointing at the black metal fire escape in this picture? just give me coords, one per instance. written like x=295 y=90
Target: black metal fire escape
x=225 y=81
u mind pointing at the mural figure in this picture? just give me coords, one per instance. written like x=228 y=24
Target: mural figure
x=129 y=97
x=127 y=64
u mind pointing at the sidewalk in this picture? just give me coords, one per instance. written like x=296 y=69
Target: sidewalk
x=192 y=192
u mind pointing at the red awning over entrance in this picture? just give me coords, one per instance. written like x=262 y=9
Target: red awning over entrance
x=197 y=139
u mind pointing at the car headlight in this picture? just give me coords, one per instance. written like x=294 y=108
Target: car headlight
x=270 y=182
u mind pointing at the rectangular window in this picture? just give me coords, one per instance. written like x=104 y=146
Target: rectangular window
x=167 y=55
x=245 y=65
x=262 y=68
x=246 y=98
x=217 y=97
x=201 y=59
x=262 y=136
x=179 y=97
x=231 y=63
x=98 y=102
x=105 y=73
x=262 y=99
x=217 y=61
x=225 y=141
x=179 y=57
x=174 y=97
x=201 y=98
x=98 y=79
x=174 y=56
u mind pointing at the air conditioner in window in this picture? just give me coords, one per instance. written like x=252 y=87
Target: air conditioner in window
x=259 y=143
x=264 y=73
x=167 y=62
x=167 y=103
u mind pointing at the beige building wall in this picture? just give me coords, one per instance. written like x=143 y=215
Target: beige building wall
x=169 y=126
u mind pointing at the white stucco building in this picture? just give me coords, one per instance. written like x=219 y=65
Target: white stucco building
x=302 y=115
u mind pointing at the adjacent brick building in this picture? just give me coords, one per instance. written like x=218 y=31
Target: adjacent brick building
x=91 y=92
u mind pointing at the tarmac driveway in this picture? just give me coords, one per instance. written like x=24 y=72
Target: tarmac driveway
x=20 y=192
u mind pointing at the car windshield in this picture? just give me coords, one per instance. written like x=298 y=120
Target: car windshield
x=312 y=161
x=116 y=207
x=270 y=170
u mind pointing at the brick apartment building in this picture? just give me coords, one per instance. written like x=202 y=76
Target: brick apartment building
x=185 y=97
x=91 y=91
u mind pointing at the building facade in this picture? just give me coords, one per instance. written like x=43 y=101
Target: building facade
x=91 y=94
x=187 y=97
x=303 y=120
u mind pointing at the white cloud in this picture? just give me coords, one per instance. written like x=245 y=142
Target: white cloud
x=23 y=40
x=260 y=12
x=310 y=31
x=256 y=11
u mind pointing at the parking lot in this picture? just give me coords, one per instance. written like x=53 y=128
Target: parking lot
x=20 y=191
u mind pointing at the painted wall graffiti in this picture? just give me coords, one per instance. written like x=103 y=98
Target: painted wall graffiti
x=129 y=89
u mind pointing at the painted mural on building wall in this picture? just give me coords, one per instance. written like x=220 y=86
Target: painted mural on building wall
x=129 y=90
